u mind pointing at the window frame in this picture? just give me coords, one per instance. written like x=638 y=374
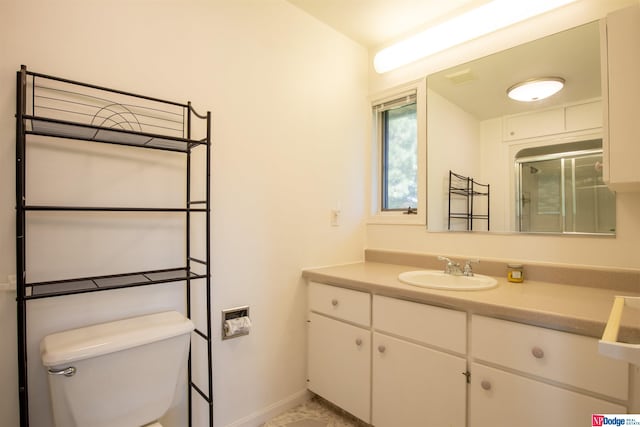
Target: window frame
x=378 y=215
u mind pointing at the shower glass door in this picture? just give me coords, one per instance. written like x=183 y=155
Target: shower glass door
x=564 y=193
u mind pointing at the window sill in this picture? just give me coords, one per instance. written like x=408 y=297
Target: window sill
x=396 y=218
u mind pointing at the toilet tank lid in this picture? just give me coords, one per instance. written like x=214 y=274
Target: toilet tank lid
x=96 y=340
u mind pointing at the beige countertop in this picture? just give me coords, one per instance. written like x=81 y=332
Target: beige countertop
x=576 y=309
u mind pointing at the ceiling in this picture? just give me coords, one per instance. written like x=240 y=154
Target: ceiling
x=374 y=23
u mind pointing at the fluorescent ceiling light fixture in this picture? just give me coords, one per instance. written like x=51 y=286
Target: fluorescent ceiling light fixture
x=535 y=89
x=480 y=21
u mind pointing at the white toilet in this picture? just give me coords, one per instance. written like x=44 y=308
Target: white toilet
x=116 y=374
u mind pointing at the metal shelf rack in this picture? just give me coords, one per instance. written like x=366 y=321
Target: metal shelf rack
x=467 y=189
x=55 y=107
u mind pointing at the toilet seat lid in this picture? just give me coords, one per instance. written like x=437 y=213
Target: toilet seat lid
x=97 y=340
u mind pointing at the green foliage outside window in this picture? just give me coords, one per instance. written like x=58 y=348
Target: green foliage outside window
x=400 y=158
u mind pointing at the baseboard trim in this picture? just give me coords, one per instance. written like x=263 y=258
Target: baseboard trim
x=258 y=418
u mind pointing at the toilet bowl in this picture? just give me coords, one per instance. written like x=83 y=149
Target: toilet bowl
x=117 y=374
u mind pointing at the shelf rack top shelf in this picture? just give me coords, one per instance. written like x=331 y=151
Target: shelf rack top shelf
x=64 y=108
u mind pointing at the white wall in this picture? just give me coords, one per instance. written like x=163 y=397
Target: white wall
x=620 y=251
x=495 y=170
x=453 y=143
x=290 y=113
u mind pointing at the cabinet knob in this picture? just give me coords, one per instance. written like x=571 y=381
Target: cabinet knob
x=334 y=302
x=358 y=342
x=537 y=352
x=382 y=348
x=486 y=385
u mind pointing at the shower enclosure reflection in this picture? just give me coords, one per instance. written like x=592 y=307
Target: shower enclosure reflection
x=560 y=190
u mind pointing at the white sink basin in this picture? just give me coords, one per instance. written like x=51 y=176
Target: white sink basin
x=436 y=279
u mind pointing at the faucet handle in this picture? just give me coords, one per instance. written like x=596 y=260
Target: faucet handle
x=468 y=271
x=451 y=267
x=447 y=260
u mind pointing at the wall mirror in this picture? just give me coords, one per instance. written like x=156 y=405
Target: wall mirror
x=531 y=166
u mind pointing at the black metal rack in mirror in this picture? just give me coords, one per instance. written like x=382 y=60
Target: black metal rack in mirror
x=53 y=107
x=463 y=207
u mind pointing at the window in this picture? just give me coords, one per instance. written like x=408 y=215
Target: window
x=398 y=142
x=398 y=181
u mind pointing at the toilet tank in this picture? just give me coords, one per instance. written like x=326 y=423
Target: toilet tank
x=124 y=372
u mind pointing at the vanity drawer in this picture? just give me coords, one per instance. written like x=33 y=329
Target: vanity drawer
x=554 y=355
x=346 y=304
x=436 y=326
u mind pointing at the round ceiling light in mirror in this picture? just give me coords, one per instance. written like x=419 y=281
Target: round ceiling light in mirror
x=535 y=89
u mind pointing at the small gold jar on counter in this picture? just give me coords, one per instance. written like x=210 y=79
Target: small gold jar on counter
x=515 y=273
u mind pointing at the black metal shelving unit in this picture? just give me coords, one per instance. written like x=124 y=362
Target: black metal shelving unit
x=60 y=108
x=468 y=190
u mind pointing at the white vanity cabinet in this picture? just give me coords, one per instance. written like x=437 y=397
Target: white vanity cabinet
x=339 y=347
x=620 y=50
x=419 y=365
x=393 y=362
x=529 y=376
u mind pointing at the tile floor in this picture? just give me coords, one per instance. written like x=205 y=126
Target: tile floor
x=316 y=412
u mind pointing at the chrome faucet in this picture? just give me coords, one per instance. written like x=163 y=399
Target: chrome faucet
x=451 y=267
x=454 y=268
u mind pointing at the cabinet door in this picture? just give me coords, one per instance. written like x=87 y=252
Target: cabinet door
x=501 y=399
x=339 y=361
x=583 y=116
x=532 y=125
x=620 y=46
x=415 y=386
